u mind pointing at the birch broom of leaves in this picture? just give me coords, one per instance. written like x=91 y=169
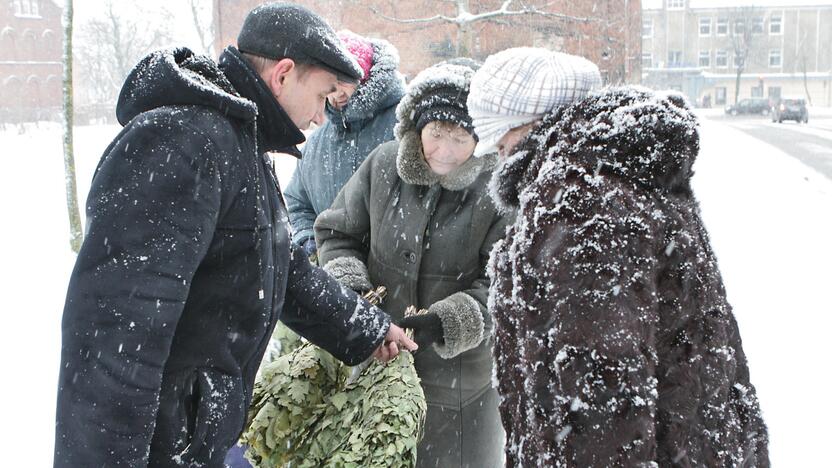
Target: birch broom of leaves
x=309 y=410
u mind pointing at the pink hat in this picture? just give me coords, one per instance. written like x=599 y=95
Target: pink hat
x=361 y=48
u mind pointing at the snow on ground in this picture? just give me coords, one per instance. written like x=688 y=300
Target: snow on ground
x=769 y=217
x=770 y=221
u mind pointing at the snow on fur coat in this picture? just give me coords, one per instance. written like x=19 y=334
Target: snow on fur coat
x=615 y=345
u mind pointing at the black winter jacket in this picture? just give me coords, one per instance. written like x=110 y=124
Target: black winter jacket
x=186 y=267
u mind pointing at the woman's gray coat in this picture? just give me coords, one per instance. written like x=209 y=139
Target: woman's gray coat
x=428 y=239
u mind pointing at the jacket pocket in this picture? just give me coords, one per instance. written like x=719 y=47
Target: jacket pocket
x=218 y=418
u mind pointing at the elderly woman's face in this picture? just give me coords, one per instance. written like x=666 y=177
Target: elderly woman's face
x=446 y=146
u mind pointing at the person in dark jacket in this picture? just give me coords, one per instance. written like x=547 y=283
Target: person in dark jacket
x=187 y=263
x=417 y=218
x=358 y=119
x=615 y=344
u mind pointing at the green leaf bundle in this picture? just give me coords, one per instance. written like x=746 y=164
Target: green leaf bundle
x=310 y=410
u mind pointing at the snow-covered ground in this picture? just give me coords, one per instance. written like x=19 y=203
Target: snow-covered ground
x=770 y=219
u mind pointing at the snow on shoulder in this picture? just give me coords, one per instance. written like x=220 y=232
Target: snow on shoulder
x=650 y=138
x=177 y=76
x=631 y=132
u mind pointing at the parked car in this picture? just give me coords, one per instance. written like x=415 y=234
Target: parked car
x=790 y=109
x=749 y=106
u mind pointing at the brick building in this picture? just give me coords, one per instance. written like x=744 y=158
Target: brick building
x=30 y=60
x=691 y=46
x=609 y=35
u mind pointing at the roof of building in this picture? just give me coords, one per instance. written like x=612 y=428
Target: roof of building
x=717 y=4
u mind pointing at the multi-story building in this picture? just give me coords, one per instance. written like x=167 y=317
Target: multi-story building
x=30 y=60
x=604 y=31
x=698 y=47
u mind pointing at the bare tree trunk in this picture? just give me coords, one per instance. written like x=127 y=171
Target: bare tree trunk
x=204 y=31
x=806 y=80
x=737 y=86
x=76 y=234
x=464 y=41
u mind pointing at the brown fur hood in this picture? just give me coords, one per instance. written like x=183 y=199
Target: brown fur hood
x=648 y=138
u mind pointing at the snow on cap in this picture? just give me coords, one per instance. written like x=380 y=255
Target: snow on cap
x=285 y=30
x=521 y=85
x=361 y=48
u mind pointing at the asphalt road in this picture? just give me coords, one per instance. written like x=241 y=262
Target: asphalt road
x=810 y=143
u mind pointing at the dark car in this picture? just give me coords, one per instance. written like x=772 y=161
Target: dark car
x=749 y=106
x=790 y=109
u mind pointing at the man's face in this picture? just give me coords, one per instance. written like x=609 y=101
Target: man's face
x=343 y=93
x=303 y=95
x=506 y=144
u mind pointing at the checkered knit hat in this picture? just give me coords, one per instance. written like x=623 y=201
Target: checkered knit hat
x=521 y=85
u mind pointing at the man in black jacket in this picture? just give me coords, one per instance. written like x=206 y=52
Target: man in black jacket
x=188 y=262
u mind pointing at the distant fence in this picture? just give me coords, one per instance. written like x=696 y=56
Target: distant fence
x=84 y=115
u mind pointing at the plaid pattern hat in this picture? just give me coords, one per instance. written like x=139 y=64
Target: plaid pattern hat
x=521 y=85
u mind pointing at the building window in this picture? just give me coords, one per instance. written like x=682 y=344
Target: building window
x=757 y=91
x=720 y=94
x=647 y=28
x=27 y=8
x=721 y=59
x=7 y=37
x=704 y=58
x=675 y=4
x=739 y=27
x=29 y=43
x=775 y=25
x=674 y=58
x=773 y=93
x=704 y=26
x=775 y=59
x=647 y=60
x=722 y=27
x=757 y=26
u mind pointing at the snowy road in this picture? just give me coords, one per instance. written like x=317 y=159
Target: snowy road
x=810 y=143
x=768 y=215
x=770 y=221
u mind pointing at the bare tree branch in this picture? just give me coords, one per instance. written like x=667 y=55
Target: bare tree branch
x=745 y=46
x=109 y=46
x=204 y=28
x=464 y=17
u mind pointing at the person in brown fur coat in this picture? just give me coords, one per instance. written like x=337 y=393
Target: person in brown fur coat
x=615 y=344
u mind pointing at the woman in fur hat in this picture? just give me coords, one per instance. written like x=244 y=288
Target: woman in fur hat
x=417 y=218
x=615 y=344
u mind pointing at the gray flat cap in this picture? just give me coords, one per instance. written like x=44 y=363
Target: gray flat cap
x=286 y=30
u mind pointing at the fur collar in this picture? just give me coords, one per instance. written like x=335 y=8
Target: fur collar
x=383 y=89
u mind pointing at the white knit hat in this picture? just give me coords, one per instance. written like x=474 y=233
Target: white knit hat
x=520 y=85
